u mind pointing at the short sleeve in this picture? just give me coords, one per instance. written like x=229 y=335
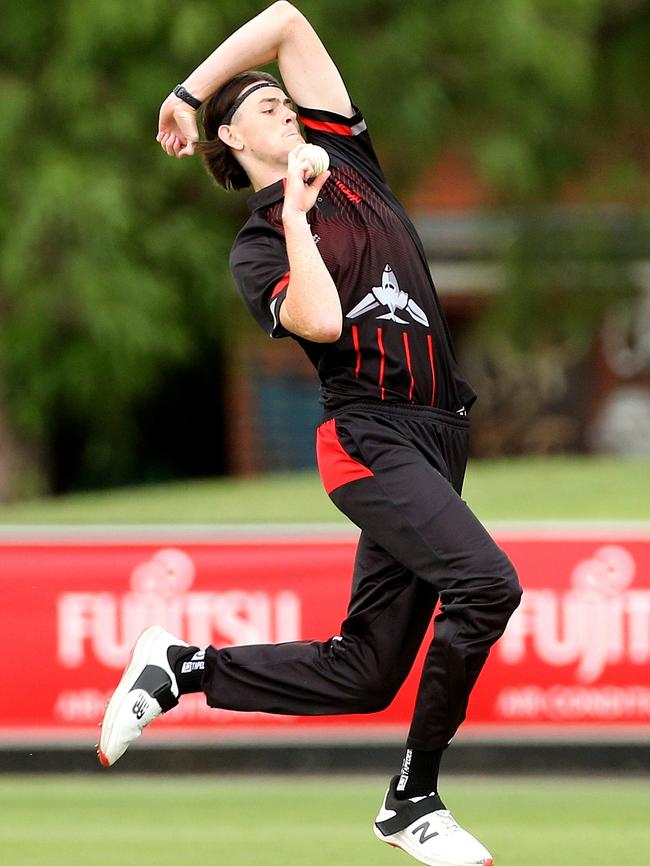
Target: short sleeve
x=345 y=138
x=260 y=267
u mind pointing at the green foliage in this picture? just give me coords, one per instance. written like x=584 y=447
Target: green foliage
x=113 y=258
x=511 y=77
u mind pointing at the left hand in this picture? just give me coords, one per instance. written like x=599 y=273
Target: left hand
x=177 y=127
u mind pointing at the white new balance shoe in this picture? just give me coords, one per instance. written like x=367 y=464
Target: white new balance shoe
x=427 y=831
x=148 y=688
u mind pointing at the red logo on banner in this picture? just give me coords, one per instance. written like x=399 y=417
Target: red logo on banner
x=577 y=651
x=103 y=626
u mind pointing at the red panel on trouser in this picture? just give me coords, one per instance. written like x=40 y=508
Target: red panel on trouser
x=335 y=465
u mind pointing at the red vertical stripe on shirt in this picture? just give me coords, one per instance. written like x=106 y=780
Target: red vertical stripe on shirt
x=407 y=349
x=355 y=340
x=433 y=369
x=382 y=364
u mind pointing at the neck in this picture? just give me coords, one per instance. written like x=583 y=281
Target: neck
x=266 y=175
x=263 y=172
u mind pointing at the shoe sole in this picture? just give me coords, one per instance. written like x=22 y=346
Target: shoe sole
x=430 y=861
x=141 y=649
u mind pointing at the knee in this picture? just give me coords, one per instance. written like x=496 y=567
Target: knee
x=372 y=689
x=509 y=588
x=375 y=695
x=515 y=589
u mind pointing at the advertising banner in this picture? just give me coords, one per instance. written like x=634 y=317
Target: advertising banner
x=574 y=662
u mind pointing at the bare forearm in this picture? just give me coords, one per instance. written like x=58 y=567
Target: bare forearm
x=255 y=44
x=312 y=307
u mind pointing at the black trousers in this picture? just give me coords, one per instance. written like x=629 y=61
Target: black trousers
x=397 y=472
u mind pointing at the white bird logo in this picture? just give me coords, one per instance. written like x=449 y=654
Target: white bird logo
x=389 y=295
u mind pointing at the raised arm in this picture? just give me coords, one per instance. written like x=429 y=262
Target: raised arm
x=281 y=32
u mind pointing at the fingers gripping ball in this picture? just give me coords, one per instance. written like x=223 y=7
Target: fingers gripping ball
x=317 y=156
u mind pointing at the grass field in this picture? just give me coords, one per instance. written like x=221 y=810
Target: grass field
x=557 y=488
x=171 y=821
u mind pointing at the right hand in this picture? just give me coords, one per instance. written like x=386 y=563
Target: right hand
x=299 y=196
x=177 y=127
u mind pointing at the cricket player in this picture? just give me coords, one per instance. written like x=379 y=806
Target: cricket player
x=334 y=262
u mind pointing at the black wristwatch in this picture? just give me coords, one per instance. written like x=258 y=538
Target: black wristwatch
x=186 y=96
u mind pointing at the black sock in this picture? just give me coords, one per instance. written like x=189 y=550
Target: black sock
x=419 y=773
x=188 y=664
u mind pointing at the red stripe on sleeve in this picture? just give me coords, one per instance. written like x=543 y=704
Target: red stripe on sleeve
x=323 y=126
x=433 y=369
x=280 y=285
x=382 y=365
x=335 y=465
x=355 y=340
x=407 y=349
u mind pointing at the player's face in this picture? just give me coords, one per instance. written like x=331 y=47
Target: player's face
x=268 y=125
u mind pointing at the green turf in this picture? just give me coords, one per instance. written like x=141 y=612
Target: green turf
x=562 y=488
x=171 y=821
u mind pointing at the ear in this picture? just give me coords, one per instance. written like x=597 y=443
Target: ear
x=229 y=137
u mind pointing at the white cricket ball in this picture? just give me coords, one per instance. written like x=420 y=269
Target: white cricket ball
x=317 y=156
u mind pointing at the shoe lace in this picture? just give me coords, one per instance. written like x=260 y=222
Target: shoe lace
x=447 y=820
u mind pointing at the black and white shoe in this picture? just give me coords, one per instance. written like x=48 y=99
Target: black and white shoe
x=426 y=830
x=148 y=688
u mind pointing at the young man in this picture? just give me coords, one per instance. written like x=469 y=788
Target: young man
x=336 y=264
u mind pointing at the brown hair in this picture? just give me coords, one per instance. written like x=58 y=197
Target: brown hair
x=218 y=159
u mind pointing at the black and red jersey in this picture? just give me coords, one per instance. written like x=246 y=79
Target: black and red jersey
x=395 y=345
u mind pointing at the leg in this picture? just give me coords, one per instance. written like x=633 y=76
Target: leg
x=423 y=522
x=478 y=598
x=413 y=511
x=356 y=672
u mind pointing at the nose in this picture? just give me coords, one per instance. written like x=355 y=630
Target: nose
x=291 y=116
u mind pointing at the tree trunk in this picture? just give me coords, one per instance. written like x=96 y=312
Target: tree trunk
x=22 y=474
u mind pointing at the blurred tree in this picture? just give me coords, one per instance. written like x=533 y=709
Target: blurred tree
x=113 y=259
x=109 y=274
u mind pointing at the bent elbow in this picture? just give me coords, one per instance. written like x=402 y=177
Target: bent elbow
x=288 y=10
x=329 y=332
x=317 y=329
x=324 y=332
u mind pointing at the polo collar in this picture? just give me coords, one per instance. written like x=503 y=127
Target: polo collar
x=267 y=195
